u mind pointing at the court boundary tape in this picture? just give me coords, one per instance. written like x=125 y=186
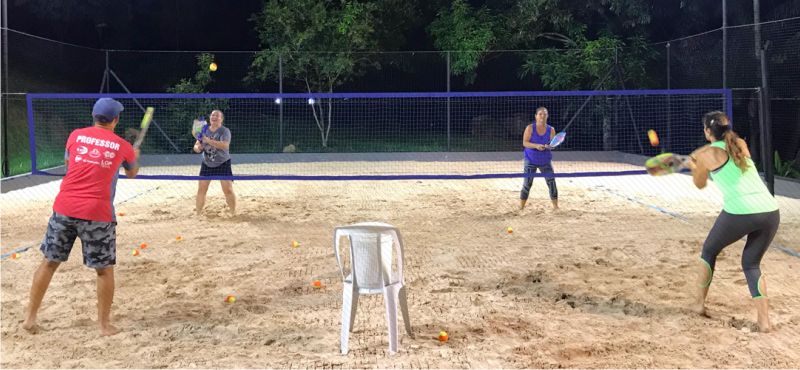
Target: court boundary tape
x=683 y=218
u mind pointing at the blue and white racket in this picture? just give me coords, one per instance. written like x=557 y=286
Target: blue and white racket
x=199 y=128
x=558 y=139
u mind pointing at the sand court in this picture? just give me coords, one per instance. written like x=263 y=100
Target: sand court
x=603 y=282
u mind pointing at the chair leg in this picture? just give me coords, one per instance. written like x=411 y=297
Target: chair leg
x=353 y=309
x=349 y=303
x=389 y=297
x=404 y=310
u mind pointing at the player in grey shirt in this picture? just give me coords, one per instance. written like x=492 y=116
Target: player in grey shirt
x=215 y=144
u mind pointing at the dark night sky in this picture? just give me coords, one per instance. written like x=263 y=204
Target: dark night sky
x=225 y=25
x=141 y=24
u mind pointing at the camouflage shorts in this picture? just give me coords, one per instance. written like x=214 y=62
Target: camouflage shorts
x=99 y=240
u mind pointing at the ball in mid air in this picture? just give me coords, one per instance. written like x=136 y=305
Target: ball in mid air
x=212 y=67
x=653 y=137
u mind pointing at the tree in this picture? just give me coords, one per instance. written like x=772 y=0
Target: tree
x=317 y=43
x=468 y=32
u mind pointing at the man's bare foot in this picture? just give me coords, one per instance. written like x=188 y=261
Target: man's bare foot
x=32 y=328
x=108 y=330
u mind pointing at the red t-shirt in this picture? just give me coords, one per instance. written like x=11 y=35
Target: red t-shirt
x=87 y=191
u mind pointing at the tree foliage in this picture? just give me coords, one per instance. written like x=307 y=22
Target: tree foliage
x=317 y=45
x=469 y=32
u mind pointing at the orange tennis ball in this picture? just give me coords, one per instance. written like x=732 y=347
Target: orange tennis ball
x=295 y=244
x=178 y=238
x=230 y=299
x=15 y=256
x=143 y=246
x=212 y=67
x=443 y=337
x=121 y=213
x=135 y=253
x=651 y=134
x=509 y=230
x=317 y=284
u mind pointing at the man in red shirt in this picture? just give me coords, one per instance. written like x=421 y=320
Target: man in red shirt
x=84 y=208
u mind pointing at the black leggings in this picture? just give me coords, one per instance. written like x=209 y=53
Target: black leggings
x=760 y=229
x=528 y=181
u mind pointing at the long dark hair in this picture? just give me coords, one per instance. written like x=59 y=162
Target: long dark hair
x=719 y=125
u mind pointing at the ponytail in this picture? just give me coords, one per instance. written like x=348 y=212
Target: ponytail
x=732 y=147
x=718 y=123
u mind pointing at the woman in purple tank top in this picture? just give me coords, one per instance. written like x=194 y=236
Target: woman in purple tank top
x=536 y=141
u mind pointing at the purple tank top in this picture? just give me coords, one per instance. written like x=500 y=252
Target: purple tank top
x=539 y=156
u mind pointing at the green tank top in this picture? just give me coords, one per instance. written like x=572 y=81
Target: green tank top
x=743 y=193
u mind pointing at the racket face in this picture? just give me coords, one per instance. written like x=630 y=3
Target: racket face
x=148 y=117
x=197 y=128
x=558 y=139
x=665 y=164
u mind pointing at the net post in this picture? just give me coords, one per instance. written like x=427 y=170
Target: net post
x=31 y=134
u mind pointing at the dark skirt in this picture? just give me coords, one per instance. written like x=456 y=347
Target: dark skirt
x=222 y=170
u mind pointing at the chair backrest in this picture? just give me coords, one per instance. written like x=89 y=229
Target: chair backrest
x=372 y=251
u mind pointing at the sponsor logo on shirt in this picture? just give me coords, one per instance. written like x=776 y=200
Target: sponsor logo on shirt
x=105 y=164
x=94 y=153
x=82 y=150
x=109 y=155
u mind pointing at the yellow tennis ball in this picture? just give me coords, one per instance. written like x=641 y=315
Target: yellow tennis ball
x=230 y=299
x=212 y=67
x=295 y=244
x=509 y=230
x=651 y=134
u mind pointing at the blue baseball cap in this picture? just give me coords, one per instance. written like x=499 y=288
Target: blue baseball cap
x=106 y=109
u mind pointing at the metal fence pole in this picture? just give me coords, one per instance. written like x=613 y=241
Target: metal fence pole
x=4 y=91
x=757 y=27
x=724 y=44
x=448 y=101
x=280 y=106
x=766 y=129
x=669 y=101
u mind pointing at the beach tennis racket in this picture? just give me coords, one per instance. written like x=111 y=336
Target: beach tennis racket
x=199 y=127
x=558 y=139
x=148 y=117
x=666 y=163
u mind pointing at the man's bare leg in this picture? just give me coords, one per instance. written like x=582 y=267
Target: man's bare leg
x=41 y=280
x=105 y=296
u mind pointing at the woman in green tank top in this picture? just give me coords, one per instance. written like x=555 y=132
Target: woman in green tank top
x=748 y=210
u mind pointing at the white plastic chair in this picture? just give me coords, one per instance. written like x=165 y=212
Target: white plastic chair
x=371 y=272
